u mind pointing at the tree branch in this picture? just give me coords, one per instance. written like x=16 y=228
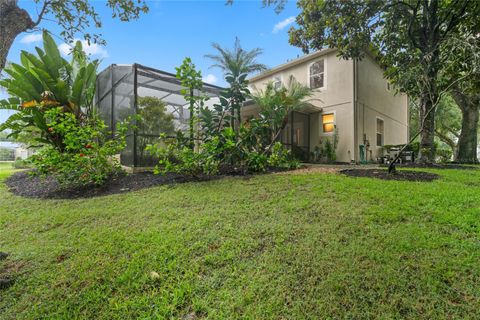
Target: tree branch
x=41 y=14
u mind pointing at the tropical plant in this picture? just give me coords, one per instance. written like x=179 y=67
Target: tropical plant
x=237 y=61
x=88 y=154
x=236 y=65
x=224 y=153
x=228 y=110
x=72 y=16
x=45 y=81
x=277 y=103
x=53 y=99
x=191 y=80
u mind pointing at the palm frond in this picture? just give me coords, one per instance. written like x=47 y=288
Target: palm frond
x=237 y=61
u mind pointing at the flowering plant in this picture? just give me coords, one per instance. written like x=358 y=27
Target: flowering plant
x=87 y=154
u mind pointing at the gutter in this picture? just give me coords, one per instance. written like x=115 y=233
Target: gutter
x=292 y=63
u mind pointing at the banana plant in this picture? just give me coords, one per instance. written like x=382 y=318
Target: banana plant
x=46 y=80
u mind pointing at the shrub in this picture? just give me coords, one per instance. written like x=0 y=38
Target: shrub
x=326 y=152
x=86 y=156
x=45 y=81
x=222 y=154
x=282 y=158
x=53 y=98
x=21 y=164
x=229 y=146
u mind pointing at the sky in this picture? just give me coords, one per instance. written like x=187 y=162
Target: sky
x=175 y=29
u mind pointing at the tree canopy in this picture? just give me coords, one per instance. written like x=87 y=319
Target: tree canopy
x=73 y=16
x=408 y=37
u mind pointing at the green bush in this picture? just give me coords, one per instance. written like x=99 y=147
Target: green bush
x=21 y=164
x=326 y=152
x=225 y=145
x=86 y=156
x=46 y=81
x=224 y=153
x=281 y=157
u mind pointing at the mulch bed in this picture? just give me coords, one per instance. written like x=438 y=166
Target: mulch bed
x=23 y=184
x=403 y=175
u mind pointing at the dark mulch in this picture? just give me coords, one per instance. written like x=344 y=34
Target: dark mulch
x=23 y=184
x=456 y=166
x=5 y=283
x=402 y=175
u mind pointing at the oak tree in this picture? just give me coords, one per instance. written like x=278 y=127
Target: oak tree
x=407 y=36
x=73 y=16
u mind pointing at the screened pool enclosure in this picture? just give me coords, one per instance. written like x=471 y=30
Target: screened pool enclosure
x=127 y=90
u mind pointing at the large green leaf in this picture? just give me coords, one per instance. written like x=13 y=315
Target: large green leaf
x=52 y=54
x=48 y=82
x=61 y=92
x=30 y=77
x=10 y=104
x=20 y=86
x=10 y=122
x=78 y=88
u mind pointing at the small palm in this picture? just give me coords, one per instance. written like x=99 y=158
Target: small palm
x=237 y=61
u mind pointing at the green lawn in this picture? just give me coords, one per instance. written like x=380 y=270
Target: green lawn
x=289 y=246
x=5 y=165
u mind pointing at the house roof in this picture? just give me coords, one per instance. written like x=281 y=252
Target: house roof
x=292 y=63
x=306 y=58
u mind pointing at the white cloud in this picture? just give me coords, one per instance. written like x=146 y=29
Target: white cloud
x=31 y=38
x=93 y=49
x=283 y=24
x=210 y=78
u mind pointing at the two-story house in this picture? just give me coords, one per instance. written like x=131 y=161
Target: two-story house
x=352 y=100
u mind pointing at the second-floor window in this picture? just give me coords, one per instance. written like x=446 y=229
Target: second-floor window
x=317 y=74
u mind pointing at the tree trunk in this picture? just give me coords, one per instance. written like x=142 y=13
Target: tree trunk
x=13 y=21
x=427 y=146
x=429 y=45
x=467 y=143
x=447 y=140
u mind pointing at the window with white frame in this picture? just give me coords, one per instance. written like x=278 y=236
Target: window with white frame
x=317 y=74
x=277 y=82
x=328 y=122
x=380 y=132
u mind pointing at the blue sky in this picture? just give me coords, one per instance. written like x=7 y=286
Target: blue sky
x=173 y=30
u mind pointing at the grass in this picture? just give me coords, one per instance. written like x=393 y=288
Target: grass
x=289 y=246
x=5 y=165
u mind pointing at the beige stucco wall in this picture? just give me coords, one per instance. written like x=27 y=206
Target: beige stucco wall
x=336 y=97
x=375 y=101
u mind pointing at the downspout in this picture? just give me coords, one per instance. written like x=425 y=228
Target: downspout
x=408 y=118
x=355 y=113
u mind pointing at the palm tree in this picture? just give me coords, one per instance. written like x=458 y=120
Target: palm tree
x=237 y=61
x=236 y=64
x=276 y=104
